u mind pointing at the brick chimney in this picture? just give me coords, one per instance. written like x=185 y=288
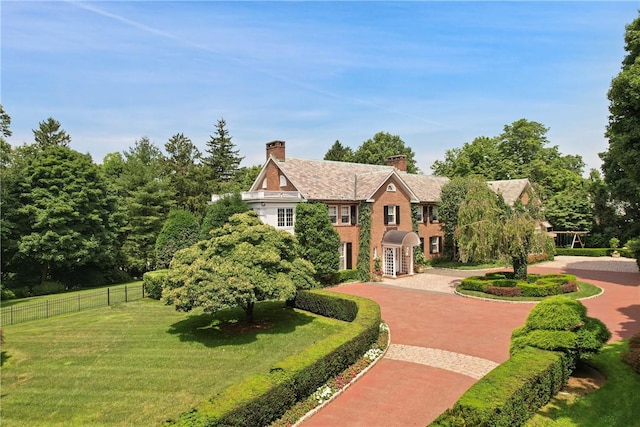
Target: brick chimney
x=399 y=162
x=275 y=149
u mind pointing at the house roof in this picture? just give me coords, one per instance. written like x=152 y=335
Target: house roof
x=511 y=190
x=341 y=181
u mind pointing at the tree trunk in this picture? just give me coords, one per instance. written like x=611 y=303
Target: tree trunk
x=44 y=272
x=520 y=268
x=248 y=310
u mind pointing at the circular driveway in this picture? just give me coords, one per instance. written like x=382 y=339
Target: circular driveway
x=442 y=343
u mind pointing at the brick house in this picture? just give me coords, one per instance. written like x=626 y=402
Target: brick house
x=400 y=209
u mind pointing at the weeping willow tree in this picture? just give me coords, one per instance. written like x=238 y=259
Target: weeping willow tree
x=488 y=229
x=479 y=230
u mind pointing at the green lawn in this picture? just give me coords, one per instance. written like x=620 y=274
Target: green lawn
x=142 y=362
x=585 y=290
x=616 y=404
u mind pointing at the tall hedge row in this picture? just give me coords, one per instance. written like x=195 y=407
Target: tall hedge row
x=263 y=398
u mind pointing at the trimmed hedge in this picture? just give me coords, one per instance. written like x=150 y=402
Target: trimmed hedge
x=152 y=282
x=348 y=275
x=263 y=398
x=536 y=285
x=510 y=394
x=595 y=252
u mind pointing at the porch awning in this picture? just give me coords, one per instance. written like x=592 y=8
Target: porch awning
x=398 y=239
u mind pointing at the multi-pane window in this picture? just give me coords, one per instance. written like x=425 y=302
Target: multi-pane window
x=434 y=214
x=333 y=214
x=285 y=217
x=419 y=214
x=345 y=214
x=391 y=214
x=434 y=244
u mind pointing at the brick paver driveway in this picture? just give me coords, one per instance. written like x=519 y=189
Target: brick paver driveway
x=442 y=343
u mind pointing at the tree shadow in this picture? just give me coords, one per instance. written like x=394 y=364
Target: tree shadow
x=4 y=357
x=631 y=327
x=229 y=327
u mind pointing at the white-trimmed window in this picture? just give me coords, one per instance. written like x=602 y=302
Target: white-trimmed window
x=285 y=217
x=345 y=214
x=264 y=184
x=346 y=256
x=283 y=181
x=392 y=215
x=333 y=214
x=434 y=244
x=391 y=188
x=434 y=214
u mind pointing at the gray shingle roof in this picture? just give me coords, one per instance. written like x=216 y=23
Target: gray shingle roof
x=511 y=190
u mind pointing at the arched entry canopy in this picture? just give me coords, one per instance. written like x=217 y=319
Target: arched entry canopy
x=397 y=252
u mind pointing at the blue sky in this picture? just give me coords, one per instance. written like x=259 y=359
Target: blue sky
x=438 y=74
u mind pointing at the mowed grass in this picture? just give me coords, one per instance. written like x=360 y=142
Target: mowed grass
x=141 y=363
x=99 y=291
x=615 y=404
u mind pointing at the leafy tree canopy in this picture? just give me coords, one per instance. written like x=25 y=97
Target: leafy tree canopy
x=243 y=262
x=383 y=145
x=185 y=174
x=218 y=213
x=621 y=161
x=452 y=195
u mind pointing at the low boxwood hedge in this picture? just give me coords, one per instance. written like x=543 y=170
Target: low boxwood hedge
x=535 y=286
x=510 y=394
x=263 y=398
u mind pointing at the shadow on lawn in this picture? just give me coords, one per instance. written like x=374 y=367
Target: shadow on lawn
x=229 y=327
x=632 y=326
x=3 y=357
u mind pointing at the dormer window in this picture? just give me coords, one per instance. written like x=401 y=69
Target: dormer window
x=391 y=188
x=283 y=181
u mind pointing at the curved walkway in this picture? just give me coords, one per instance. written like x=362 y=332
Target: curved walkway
x=442 y=343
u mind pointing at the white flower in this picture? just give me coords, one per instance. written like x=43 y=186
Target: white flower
x=373 y=353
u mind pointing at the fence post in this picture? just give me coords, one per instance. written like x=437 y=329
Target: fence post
x=11 y=315
x=108 y=297
x=78 y=302
x=125 y=294
x=47 y=309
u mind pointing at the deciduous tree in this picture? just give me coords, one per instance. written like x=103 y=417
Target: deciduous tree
x=219 y=213
x=243 y=262
x=180 y=230
x=383 y=145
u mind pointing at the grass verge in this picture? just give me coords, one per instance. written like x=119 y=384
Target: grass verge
x=141 y=363
x=40 y=298
x=585 y=290
x=615 y=404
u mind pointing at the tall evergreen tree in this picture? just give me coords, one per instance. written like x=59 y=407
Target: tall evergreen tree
x=185 y=174
x=49 y=132
x=621 y=164
x=339 y=153
x=223 y=161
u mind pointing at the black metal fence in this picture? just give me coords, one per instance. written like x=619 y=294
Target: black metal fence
x=82 y=301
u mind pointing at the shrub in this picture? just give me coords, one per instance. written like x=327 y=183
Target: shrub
x=539 y=290
x=475 y=283
x=348 y=275
x=152 y=282
x=561 y=323
x=6 y=294
x=632 y=356
x=48 y=288
x=511 y=393
x=633 y=246
x=595 y=252
x=262 y=398
x=569 y=287
x=180 y=230
x=500 y=291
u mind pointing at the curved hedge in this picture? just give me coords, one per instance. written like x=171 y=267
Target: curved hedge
x=504 y=284
x=510 y=394
x=263 y=398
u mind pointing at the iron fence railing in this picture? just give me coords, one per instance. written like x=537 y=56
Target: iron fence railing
x=82 y=301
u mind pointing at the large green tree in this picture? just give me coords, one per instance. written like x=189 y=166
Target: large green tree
x=621 y=161
x=146 y=197
x=318 y=241
x=219 y=212
x=64 y=218
x=179 y=231
x=222 y=160
x=243 y=262
x=377 y=150
x=452 y=195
